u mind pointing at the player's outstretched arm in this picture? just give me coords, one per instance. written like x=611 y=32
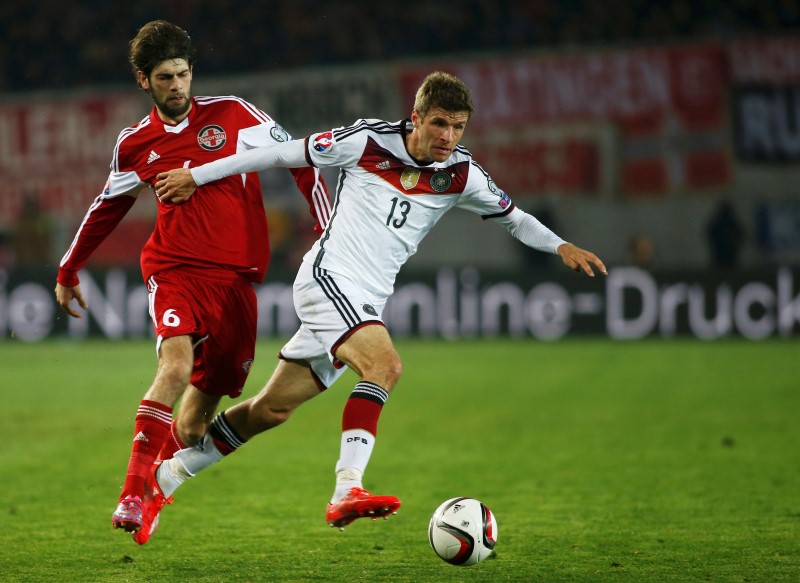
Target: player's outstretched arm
x=580 y=259
x=175 y=186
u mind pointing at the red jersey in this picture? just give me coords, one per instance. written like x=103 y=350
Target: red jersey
x=223 y=225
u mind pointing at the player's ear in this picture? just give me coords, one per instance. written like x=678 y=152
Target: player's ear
x=415 y=118
x=144 y=82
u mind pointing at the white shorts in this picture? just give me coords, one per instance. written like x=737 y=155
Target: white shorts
x=330 y=307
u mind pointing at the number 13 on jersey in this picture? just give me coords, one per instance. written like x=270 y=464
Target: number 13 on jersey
x=399 y=213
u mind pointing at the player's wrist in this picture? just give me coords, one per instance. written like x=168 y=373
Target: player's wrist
x=67 y=277
x=198 y=180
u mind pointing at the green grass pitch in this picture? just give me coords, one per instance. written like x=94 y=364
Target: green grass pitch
x=603 y=461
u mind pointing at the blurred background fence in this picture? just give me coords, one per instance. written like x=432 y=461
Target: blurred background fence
x=663 y=135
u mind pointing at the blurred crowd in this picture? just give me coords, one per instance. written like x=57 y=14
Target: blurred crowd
x=52 y=44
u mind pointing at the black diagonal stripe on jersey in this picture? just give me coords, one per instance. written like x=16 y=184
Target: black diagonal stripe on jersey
x=327 y=233
x=341 y=303
x=381 y=127
x=479 y=167
x=463 y=150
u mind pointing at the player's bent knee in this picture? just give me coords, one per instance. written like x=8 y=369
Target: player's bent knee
x=389 y=374
x=192 y=433
x=396 y=372
x=278 y=416
x=386 y=373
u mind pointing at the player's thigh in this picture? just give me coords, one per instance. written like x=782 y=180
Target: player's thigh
x=310 y=349
x=172 y=307
x=175 y=358
x=370 y=350
x=331 y=306
x=223 y=360
x=291 y=385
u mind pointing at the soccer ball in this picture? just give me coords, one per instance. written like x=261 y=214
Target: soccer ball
x=463 y=531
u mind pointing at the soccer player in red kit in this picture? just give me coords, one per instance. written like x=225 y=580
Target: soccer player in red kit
x=200 y=262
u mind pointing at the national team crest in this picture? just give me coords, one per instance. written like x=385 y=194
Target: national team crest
x=441 y=181
x=211 y=138
x=410 y=177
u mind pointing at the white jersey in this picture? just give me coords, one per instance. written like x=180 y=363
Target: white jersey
x=386 y=201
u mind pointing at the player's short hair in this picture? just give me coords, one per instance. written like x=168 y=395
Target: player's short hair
x=156 y=42
x=444 y=91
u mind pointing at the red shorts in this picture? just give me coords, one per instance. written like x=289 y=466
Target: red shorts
x=219 y=310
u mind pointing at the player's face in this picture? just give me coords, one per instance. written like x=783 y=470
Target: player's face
x=437 y=134
x=170 y=86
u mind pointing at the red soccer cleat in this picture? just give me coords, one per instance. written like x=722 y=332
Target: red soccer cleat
x=128 y=515
x=358 y=503
x=154 y=501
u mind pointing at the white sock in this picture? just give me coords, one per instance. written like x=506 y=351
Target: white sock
x=346 y=478
x=354 y=453
x=171 y=474
x=186 y=463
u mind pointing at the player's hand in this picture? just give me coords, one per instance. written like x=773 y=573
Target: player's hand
x=64 y=296
x=175 y=186
x=580 y=259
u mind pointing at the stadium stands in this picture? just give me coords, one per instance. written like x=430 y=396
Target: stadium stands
x=51 y=44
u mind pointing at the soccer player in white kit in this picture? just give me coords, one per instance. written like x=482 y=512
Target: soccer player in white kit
x=396 y=180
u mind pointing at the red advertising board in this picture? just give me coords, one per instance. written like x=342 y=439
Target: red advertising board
x=59 y=150
x=765 y=61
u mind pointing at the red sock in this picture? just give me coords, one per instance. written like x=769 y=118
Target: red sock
x=363 y=407
x=172 y=444
x=149 y=434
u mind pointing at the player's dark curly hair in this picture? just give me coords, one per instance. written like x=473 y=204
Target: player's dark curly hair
x=156 y=42
x=444 y=91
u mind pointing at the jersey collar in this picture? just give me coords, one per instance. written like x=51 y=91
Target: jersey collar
x=174 y=129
